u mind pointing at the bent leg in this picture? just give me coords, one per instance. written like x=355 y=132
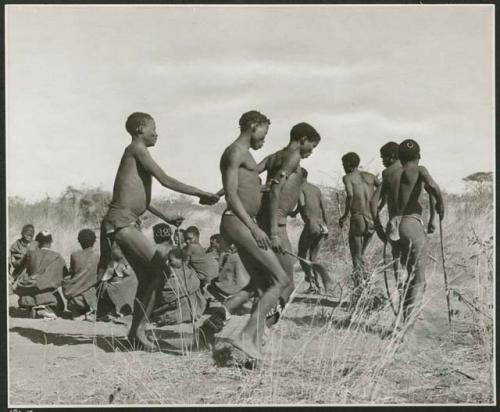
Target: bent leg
x=148 y=266
x=262 y=266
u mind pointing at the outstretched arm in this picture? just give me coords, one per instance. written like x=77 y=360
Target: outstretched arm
x=230 y=164
x=173 y=219
x=147 y=162
x=432 y=188
x=348 y=200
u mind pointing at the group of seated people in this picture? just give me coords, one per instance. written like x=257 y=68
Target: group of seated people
x=49 y=289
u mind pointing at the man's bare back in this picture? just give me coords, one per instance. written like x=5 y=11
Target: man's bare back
x=363 y=186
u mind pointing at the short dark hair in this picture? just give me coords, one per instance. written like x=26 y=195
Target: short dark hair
x=194 y=230
x=136 y=120
x=44 y=237
x=351 y=159
x=86 y=238
x=252 y=117
x=409 y=150
x=26 y=227
x=390 y=149
x=304 y=173
x=217 y=237
x=304 y=129
x=161 y=233
x=177 y=253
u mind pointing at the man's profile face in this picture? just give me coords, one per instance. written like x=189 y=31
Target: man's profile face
x=148 y=134
x=258 y=136
x=306 y=148
x=190 y=238
x=387 y=160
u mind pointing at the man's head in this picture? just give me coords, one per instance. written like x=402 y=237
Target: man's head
x=257 y=125
x=44 y=239
x=162 y=233
x=86 y=238
x=389 y=153
x=27 y=233
x=306 y=136
x=175 y=258
x=304 y=174
x=142 y=126
x=192 y=235
x=409 y=150
x=350 y=161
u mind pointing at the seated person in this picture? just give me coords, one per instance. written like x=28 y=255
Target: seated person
x=205 y=265
x=180 y=299
x=232 y=277
x=37 y=288
x=18 y=250
x=118 y=287
x=79 y=287
x=218 y=248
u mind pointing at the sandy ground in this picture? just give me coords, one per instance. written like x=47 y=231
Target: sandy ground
x=307 y=362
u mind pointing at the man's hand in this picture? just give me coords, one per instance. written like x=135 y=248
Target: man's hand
x=208 y=199
x=342 y=221
x=260 y=237
x=276 y=244
x=324 y=229
x=430 y=227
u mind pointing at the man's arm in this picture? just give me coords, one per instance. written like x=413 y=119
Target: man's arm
x=147 y=162
x=290 y=164
x=174 y=219
x=231 y=164
x=432 y=188
x=322 y=207
x=378 y=198
x=431 y=228
x=348 y=201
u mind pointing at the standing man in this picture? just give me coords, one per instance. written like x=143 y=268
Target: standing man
x=242 y=187
x=284 y=177
x=131 y=198
x=360 y=187
x=312 y=210
x=402 y=187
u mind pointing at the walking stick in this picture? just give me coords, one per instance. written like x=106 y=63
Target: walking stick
x=387 y=284
x=342 y=229
x=444 y=272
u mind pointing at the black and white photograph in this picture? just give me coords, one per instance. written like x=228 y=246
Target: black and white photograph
x=250 y=205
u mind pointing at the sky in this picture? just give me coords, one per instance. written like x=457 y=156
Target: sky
x=361 y=75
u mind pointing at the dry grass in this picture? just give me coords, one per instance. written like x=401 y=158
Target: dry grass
x=315 y=355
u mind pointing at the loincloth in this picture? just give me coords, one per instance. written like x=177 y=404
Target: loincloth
x=392 y=229
x=118 y=218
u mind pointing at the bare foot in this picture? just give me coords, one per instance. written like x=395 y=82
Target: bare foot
x=247 y=346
